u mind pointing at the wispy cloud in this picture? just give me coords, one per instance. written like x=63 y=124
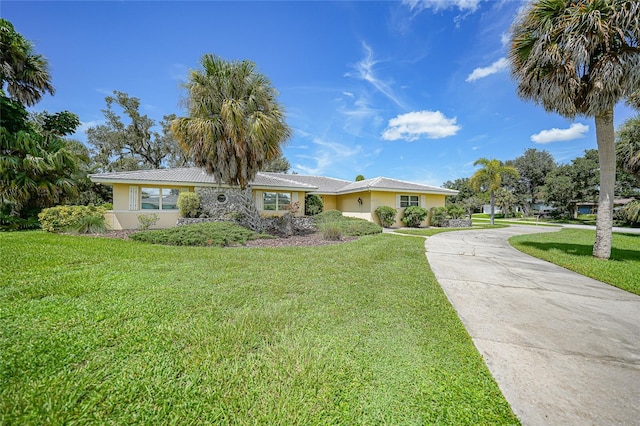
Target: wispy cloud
x=327 y=154
x=86 y=125
x=349 y=94
x=575 y=131
x=498 y=66
x=364 y=70
x=439 y=5
x=417 y=124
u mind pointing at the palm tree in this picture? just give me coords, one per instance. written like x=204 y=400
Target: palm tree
x=581 y=57
x=628 y=146
x=489 y=178
x=26 y=73
x=235 y=123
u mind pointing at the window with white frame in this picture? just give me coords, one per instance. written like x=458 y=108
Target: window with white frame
x=409 y=200
x=276 y=201
x=159 y=198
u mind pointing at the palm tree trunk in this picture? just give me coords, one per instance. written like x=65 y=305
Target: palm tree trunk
x=493 y=205
x=605 y=136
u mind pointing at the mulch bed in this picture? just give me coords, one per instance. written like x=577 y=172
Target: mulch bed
x=306 y=240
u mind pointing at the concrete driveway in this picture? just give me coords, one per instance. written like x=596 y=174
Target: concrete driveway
x=564 y=349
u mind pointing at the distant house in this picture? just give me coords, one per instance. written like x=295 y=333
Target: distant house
x=592 y=208
x=156 y=191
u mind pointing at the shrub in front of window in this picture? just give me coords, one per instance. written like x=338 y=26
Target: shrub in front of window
x=66 y=218
x=387 y=215
x=189 y=204
x=413 y=215
x=146 y=221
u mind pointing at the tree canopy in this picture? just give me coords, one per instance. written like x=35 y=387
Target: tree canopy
x=489 y=178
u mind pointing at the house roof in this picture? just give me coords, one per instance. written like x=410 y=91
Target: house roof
x=264 y=180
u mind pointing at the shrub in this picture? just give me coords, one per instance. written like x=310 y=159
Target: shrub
x=64 y=218
x=107 y=206
x=454 y=211
x=331 y=231
x=313 y=205
x=218 y=234
x=328 y=216
x=438 y=216
x=630 y=213
x=413 y=215
x=146 y=221
x=89 y=225
x=189 y=204
x=332 y=221
x=387 y=215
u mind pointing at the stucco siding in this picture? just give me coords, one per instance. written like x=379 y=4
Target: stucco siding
x=329 y=202
x=349 y=206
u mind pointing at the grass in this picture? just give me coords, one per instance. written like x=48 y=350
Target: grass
x=109 y=331
x=482 y=218
x=427 y=232
x=572 y=249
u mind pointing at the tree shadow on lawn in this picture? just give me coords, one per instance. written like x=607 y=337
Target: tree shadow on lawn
x=586 y=250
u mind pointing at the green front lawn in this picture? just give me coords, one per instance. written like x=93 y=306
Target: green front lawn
x=108 y=331
x=573 y=248
x=427 y=232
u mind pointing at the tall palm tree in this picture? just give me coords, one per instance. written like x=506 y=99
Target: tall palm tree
x=489 y=178
x=25 y=73
x=581 y=57
x=235 y=123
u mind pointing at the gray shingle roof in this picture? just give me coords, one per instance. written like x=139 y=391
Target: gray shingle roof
x=316 y=184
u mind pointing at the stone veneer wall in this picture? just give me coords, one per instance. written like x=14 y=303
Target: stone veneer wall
x=215 y=209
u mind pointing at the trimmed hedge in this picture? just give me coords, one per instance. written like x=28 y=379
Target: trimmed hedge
x=332 y=222
x=219 y=234
x=387 y=215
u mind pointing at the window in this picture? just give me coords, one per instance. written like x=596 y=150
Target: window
x=160 y=198
x=409 y=200
x=275 y=201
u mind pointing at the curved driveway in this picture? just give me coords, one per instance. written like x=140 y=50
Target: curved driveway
x=564 y=349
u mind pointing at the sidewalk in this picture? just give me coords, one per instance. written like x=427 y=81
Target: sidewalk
x=564 y=349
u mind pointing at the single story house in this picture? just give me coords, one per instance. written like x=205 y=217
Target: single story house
x=156 y=191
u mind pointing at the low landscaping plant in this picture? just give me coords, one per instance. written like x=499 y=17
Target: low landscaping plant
x=387 y=215
x=437 y=216
x=146 y=221
x=332 y=224
x=218 y=234
x=413 y=215
x=69 y=218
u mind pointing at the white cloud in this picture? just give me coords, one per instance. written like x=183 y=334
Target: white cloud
x=328 y=154
x=505 y=39
x=417 y=124
x=575 y=131
x=364 y=71
x=496 y=67
x=349 y=94
x=438 y=5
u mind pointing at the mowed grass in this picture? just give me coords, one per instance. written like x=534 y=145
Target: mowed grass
x=120 y=332
x=428 y=232
x=573 y=249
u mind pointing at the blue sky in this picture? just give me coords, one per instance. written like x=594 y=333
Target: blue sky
x=414 y=90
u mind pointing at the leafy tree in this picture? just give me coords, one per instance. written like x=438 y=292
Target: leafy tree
x=24 y=72
x=559 y=189
x=278 y=165
x=471 y=204
x=533 y=167
x=581 y=58
x=118 y=146
x=489 y=178
x=584 y=174
x=359 y=178
x=235 y=123
x=464 y=188
x=628 y=146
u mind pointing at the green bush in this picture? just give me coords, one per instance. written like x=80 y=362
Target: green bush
x=413 y=215
x=89 y=225
x=630 y=213
x=146 y=221
x=189 y=204
x=327 y=222
x=331 y=231
x=438 y=216
x=107 y=206
x=218 y=234
x=387 y=215
x=313 y=205
x=65 y=218
x=455 y=211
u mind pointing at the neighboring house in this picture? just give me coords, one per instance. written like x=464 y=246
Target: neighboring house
x=156 y=191
x=592 y=208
